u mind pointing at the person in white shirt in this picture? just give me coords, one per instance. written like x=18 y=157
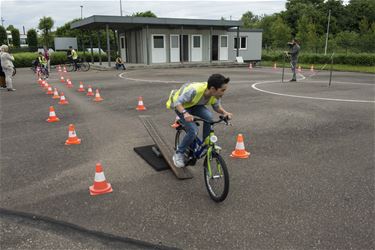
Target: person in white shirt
x=7 y=65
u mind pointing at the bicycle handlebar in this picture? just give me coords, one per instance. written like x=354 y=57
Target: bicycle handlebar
x=221 y=119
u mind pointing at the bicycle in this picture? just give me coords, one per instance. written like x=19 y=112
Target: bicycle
x=81 y=65
x=207 y=148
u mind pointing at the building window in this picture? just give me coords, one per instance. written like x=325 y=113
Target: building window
x=196 y=41
x=174 y=42
x=122 y=42
x=158 y=42
x=243 y=42
x=224 y=41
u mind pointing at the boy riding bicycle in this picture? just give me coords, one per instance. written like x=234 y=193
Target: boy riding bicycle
x=189 y=101
x=43 y=63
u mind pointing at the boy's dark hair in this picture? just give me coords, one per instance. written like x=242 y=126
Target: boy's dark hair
x=217 y=81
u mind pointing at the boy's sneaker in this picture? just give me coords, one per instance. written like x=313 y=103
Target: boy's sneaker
x=11 y=89
x=179 y=160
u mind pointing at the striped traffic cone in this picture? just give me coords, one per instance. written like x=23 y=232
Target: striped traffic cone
x=72 y=139
x=101 y=186
x=52 y=115
x=140 y=106
x=63 y=101
x=240 y=151
x=89 y=91
x=97 y=96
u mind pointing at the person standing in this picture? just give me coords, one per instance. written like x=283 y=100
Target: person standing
x=46 y=56
x=293 y=53
x=8 y=67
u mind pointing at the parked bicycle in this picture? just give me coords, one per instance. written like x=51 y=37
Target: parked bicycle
x=215 y=170
x=81 y=66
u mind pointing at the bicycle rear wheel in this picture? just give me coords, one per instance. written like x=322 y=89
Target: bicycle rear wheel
x=217 y=182
x=85 y=66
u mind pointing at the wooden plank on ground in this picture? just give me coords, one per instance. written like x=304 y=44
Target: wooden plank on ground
x=164 y=147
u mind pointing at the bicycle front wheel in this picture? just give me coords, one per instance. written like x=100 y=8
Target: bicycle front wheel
x=69 y=67
x=85 y=66
x=216 y=177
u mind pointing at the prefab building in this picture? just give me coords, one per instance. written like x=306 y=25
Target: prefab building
x=173 y=40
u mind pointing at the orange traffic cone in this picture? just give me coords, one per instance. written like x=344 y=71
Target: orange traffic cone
x=89 y=91
x=97 y=96
x=62 y=79
x=274 y=66
x=72 y=139
x=140 y=106
x=40 y=81
x=64 y=70
x=45 y=86
x=81 y=89
x=49 y=90
x=176 y=124
x=52 y=115
x=69 y=83
x=312 y=68
x=55 y=94
x=240 y=151
x=63 y=101
x=299 y=69
x=59 y=68
x=250 y=66
x=101 y=186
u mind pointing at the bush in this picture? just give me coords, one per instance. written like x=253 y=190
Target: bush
x=25 y=59
x=366 y=59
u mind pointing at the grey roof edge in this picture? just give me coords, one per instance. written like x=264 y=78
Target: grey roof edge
x=245 y=30
x=153 y=21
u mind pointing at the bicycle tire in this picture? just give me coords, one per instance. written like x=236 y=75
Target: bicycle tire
x=85 y=66
x=69 y=67
x=177 y=139
x=222 y=195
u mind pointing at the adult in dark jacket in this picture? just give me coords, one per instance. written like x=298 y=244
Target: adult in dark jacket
x=293 y=53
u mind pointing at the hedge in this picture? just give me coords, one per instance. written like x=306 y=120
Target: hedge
x=25 y=59
x=366 y=59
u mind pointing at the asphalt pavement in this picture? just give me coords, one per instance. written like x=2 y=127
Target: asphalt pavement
x=309 y=182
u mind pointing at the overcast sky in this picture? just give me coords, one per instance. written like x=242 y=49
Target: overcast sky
x=27 y=13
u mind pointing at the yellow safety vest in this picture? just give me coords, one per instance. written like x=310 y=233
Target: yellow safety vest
x=199 y=87
x=42 y=60
x=74 y=54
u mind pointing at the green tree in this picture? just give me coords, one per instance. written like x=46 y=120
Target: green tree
x=3 y=35
x=46 y=24
x=346 y=40
x=357 y=9
x=144 y=14
x=281 y=33
x=302 y=29
x=16 y=37
x=363 y=26
x=312 y=38
x=32 y=39
x=10 y=27
x=366 y=40
x=249 y=20
x=265 y=23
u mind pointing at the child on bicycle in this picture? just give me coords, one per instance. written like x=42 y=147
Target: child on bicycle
x=43 y=64
x=189 y=101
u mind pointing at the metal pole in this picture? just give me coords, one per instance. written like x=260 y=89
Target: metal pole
x=282 y=76
x=120 y=8
x=108 y=46
x=100 y=49
x=330 y=73
x=210 y=43
x=238 y=40
x=329 y=18
x=92 y=51
x=147 y=46
x=81 y=11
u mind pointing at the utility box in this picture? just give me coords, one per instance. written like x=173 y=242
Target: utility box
x=63 y=43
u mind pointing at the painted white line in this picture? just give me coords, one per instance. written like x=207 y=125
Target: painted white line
x=304 y=97
x=145 y=80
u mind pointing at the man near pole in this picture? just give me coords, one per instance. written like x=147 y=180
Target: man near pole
x=293 y=53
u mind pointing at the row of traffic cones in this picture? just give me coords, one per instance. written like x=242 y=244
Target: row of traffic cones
x=299 y=67
x=100 y=185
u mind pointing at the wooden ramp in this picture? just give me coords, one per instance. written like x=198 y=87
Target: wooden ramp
x=164 y=147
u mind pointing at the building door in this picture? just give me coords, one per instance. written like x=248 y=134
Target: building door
x=123 y=49
x=184 y=48
x=215 y=48
x=158 y=49
x=175 y=48
x=196 y=48
x=223 y=48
